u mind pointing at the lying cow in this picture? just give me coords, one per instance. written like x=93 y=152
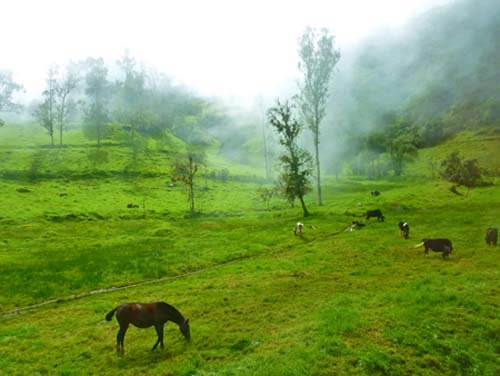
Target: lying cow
x=375 y=214
x=437 y=245
x=405 y=229
x=491 y=236
x=298 y=229
x=354 y=225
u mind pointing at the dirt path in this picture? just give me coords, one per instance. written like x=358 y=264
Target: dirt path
x=22 y=310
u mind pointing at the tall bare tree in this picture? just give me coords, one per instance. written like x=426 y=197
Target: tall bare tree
x=266 y=139
x=318 y=57
x=63 y=104
x=45 y=112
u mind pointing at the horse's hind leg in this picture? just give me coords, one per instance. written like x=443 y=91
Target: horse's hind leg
x=159 y=332
x=120 y=337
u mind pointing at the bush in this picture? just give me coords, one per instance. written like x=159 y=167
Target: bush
x=461 y=172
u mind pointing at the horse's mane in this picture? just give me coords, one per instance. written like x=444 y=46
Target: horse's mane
x=176 y=316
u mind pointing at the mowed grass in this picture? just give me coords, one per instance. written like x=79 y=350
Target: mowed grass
x=263 y=302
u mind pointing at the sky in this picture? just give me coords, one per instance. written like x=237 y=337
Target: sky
x=227 y=48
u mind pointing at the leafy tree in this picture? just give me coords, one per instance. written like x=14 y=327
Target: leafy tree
x=432 y=133
x=401 y=149
x=461 y=172
x=134 y=100
x=45 y=112
x=97 y=91
x=7 y=89
x=318 y=57
x=400 y=139
x=296 y=162
x=184 y=171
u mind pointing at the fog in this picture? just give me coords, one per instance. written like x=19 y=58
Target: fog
x=437 y=65
x=233 y=49
x=422 y=59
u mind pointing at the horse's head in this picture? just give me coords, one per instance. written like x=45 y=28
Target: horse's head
x=184 y=328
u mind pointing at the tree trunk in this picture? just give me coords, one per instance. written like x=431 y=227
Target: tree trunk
x=304 y=209
x=191 y=184
x=318 y=174
x=191 y=197
x=266 y=154
x=60 y=134
x=62 y=110
x=98 y=136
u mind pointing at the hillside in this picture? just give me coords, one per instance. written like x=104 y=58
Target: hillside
x=260 y=300
x=26 y=155
x=482 y=145
x=438 y=71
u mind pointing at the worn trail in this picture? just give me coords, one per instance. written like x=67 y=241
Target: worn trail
x=25 y=309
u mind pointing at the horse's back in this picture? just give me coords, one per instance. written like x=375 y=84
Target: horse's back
x=132 y=313
x=141 y=315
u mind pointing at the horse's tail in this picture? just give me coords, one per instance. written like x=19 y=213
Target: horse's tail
x=109 y=316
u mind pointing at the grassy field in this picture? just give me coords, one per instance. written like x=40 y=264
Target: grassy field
x=260 y=301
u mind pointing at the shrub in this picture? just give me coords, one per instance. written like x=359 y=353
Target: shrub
x=461 y=172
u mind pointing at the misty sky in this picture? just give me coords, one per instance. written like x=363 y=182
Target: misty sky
x=218 y=47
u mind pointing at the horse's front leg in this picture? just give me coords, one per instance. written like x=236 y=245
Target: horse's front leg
x=159 y=332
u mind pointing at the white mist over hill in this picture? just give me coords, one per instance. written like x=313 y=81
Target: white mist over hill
x=233 y=49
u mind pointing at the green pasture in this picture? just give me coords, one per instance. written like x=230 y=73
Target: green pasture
x=260 y=300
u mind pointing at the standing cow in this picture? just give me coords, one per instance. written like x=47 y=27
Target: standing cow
x=405 y=229
x=491 y=236
x=437 y=245
x=375 y=214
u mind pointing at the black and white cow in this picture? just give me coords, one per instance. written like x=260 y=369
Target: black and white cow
x=375 y=193
x=404 y=227
x=375 y=214
x=437 y=245
x=491 y=236
x=298 y=230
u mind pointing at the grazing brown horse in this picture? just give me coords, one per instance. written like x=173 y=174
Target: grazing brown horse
x=144 y=315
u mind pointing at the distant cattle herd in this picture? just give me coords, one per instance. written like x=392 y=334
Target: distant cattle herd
x=443 y=246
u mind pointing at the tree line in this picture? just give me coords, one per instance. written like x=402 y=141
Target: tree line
x=133 y=97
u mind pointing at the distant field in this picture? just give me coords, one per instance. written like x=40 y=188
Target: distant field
x=263 y=301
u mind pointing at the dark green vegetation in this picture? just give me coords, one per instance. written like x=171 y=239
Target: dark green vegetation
x=362 y=302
